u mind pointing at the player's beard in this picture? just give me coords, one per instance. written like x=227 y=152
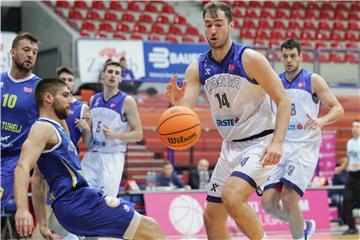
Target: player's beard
x=294 y=70
x=60 y=111
x=22 y=66
x=220 y=46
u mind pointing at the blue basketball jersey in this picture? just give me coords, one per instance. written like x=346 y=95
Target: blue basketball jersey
x=60 y=165
x=76 y=112
x=303 y=101
x=108 y=113
x=18 y=111
x=240 y=108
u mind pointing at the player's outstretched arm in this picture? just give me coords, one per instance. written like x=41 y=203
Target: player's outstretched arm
x=258 y=68
x=188 y=93
x=40 y=136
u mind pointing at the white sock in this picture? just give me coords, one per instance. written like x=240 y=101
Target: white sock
x=302 y=238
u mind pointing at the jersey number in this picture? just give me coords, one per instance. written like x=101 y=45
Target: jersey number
x=98 y=127
x=223 y=101
x=9 y=100
x=293 y=109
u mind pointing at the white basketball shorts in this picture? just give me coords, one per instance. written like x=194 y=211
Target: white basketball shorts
x=104 y=171
x=296 y=168
x=241 y=159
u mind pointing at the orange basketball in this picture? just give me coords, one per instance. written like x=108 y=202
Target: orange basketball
x=179 y=128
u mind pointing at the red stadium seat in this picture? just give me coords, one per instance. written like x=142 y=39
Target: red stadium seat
x=162 y=19
x=310 y=15
x=353 y=26
x=337 y=57
x=248 y=23
x=153 y=38
x=281 y=14
x=342 y=7
x=62 y=4
x=327 y=6
x=324 y=57
x=291 y=34
x=336 y=36
x=187 y=39
x=121 y=27
x=202 y=40
x=306 y=35
x=101 y=35
x=324 y=25
x=119 y=36
x=295 y=14
x=88 y=26
x=325 y=16
x=133 y=6
x=340 y=16
x=247 y=33
x=84 y=33
x=274 y=44
x=352 y=45
x=269 y=4
x=264 y=24
x=312 y=6
x=149 y=7
x=294 y=25
x=180 y=20
x=237 y=13
x=236 y=24
x=110 y=16
x=261 y=34
x=136 y=37
x=146 y=18
x=192 y=31
x=106 y=27
x=279 y=24
x=80 y=4
x=167 y=9
x=355 y=6
x=254 y=4
x=298 y=5
x=352 y=57
x=75 y=14
x=305 y=44
x=284 y=5
x=353 y=16
x=339 y=26
x=265 y=14
x=306 y=56
x=93 y=15
x=309 y=25
x=240 y=4
x=250 y=13
x=169 y=38
x=115 y=5
x=259 y=43
x=157 y=29
x=320 y=45
x=277 y=35
x=98 y=5
x=336 y=45
x=128 y=17
x=140 y=28
x=173 y=29
x=322 y=35
x=350 y=36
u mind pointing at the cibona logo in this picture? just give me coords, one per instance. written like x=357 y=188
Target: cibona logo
x=161 y=57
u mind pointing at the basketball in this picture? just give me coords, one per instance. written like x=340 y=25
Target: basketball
x=179 y=128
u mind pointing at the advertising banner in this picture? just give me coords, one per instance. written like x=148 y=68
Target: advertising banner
x=163 y=60
x=92 y=54
x=5 y=46
x=327 y=162
x=181 y=214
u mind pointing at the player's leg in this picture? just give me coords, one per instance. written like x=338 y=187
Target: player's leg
x=235 y=198
x=270 y=202
x=112 y=167
x=90 y=166
x=215 y=217
x=148 y=228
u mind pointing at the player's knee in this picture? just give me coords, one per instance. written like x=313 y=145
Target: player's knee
x=209 y=217
x=231 y=199
x=289 y=201
x=152 y=228
x=267 y=204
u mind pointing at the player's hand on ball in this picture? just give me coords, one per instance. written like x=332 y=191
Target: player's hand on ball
x=174 y=92
x=24 y=223
x=272 y=154
x=48 y=234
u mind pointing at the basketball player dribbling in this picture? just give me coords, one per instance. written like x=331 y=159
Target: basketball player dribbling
x=288 y=181
x=81 y=210
x=238 y=82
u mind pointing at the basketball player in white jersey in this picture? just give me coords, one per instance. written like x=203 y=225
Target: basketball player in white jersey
x=115 y=121
x=289 y=180
x=238 y=82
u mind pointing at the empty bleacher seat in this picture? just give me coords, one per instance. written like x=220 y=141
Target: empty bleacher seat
x=247 y=33
x=107 y=27
x=110 y=16
x=119 y=36
x=150 y=7
x=98 y=5
x=298 y=5
x=128 y=17
x=187 y=39
x=192 y=31
x=310 y=25
x=263 y=23
x=133 y=6
x=352 y=57
x=75 y=14
x=294 y=25
x=80 y=4
x=140 y=28
x=284 y=5
x=281 y=14
x=170 y=38
x=136 y=37
x=276 y=35
x=279 y=24
x=338 y=25
x=121 y=27
x=167 y=8
x=254 y=4
x=146 y=18
x=264 y=13
x=250 y=13
x=89 y=26
x=162 y=19
x=157 y=29
x=62 y=4
x=115 y=5
x=93 y=15
x=173 y=29
x=180 y=20
x=154 y=38
x=291 y=34
x=269 y=5
x=248 y=23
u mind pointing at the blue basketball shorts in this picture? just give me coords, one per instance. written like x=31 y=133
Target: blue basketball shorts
x=86 y=212
x=8 y=165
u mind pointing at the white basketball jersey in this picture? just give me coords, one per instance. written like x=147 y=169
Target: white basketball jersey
x=303 y=102
x=109 y=114
x=240 y=108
